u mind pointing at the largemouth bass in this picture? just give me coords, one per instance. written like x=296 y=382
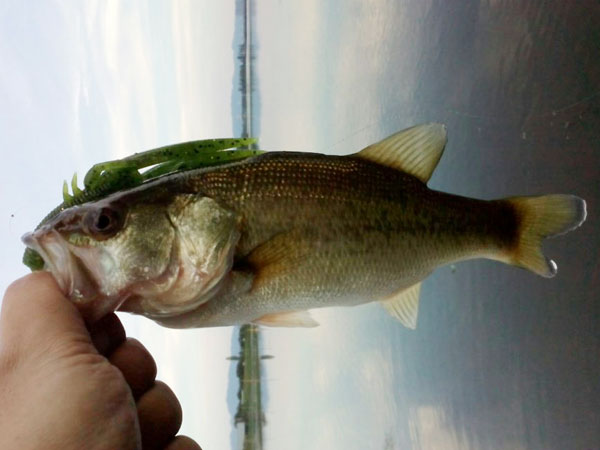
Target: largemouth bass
x=268 y=238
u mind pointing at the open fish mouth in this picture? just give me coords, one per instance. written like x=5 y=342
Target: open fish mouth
x=56 y=256
x=91 y=277
x=73 y=277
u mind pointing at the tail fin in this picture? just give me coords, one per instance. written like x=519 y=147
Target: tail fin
x=541 y=217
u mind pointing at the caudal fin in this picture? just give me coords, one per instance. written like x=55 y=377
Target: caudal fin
x=541 y=217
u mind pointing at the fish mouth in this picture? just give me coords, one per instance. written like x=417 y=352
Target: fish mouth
x=71 y=274
x=51 y=247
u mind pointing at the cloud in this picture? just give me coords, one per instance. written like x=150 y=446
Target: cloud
x=121 y=60
x=112 y=87
x=15 y=88
x=202 y=37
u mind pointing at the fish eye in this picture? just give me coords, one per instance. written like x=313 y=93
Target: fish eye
x=103 y=222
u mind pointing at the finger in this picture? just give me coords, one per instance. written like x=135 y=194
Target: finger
x=136 y=364
x=107 y=334
x=182 y=443
x=160 y=416
x=34 y=312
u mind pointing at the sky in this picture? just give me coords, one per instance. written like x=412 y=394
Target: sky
x=83 y=82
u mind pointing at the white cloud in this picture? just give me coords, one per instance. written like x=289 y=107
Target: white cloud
x=202 y=39
x=113 y=86
x=111 y=40
x=15 y=88
x=183 y=46
x=121 y=53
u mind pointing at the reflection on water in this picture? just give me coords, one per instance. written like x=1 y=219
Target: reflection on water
x=249 y=417
x=501 y=359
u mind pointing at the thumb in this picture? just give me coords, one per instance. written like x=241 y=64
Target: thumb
x=35 y=313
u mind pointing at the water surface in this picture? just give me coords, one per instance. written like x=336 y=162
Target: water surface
x=501 y=358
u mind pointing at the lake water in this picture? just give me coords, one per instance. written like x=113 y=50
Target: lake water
x=501 y=359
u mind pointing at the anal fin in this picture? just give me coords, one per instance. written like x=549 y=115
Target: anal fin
x=404 y=305
x=287 y=319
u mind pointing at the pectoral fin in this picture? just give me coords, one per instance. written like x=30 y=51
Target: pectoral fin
x=404 y=305
x=276 y=258
x=415 y=150
x=287 y=319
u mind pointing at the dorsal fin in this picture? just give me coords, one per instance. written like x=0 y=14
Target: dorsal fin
x=404 y=305
x=415 y=150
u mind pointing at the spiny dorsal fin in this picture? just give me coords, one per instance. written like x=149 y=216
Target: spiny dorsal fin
x=287 y=319
x=415 y=150
x=404 y=305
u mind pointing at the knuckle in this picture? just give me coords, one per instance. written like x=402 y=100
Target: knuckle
x=15 y=287
x=28 y=283
x=10 y=360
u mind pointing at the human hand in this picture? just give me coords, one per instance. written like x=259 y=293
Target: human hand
x=64 y=387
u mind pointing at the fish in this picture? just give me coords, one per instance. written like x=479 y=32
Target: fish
x=266 y=239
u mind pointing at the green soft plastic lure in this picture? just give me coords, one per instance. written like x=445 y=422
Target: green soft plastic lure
x=108 y=177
